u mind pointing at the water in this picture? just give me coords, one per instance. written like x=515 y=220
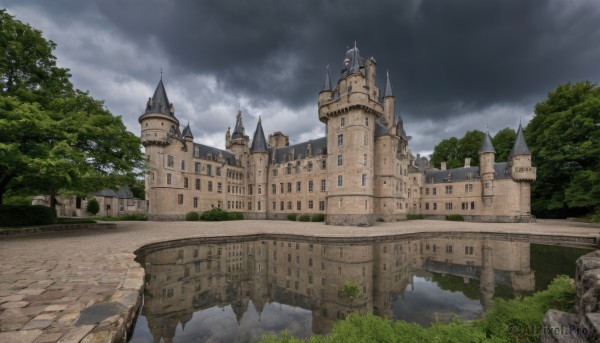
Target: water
x=234 y=292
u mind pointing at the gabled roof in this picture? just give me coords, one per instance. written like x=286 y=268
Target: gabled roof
x=388 y=86
x=318 y=147
x=205 y=150
x=486 y=145
x=125 y=193
x=520 y=147
x=107 y=193
x=259 y=143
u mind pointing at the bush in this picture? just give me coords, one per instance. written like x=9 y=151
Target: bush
x=235 y=216
x=22 y=215
x=215 y=215
x=414 y=216
x=596 y=216
x=455 y=217
x=93 y=206
x=304 y=218
x=291 y=216
x=319 y=217
x=192 y=216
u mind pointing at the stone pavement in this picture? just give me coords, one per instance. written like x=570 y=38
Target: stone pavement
x=84 y=285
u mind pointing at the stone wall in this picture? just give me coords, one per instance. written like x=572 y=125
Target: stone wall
x=584 y=324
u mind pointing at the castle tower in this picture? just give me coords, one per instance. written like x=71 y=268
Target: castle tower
x=522 y=172
x=389 y=103
x=187 y=134
x=238 y=143
x=259 y=158
x=487 y=156
x=228 y=139
x=350 y=111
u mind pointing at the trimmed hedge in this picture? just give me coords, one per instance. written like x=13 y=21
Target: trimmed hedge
x=23 y=215
x=455 y=217
x=235 y=216
x=318 y=217
x=192 y=216
x=414 y=216
x=218 y=215
x=304 y=218
x=292 y=216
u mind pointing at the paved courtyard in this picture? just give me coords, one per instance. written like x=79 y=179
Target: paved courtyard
x=48 y=279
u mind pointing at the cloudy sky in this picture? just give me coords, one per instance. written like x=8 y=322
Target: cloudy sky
x=454 y=65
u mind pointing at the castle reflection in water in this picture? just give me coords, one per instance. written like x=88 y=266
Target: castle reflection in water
x=309 y=275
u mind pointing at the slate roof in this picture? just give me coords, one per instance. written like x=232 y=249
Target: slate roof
x=259 y=143
x=125 y=193
x=187 y=131
x=380 y=129
x=502 y=171
x=238 y=131
x=486 y=145
x=520 y=147
x=327 y=84
x=318 y=146
x=353 y=63
x=160 y=102
x=206 y=150
x=107 y=193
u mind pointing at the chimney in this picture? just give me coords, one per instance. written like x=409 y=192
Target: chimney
x=467 y=162
x=443 y=166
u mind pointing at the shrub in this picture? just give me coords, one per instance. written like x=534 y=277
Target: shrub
x=92 y=206
x=411 y=216
x=235 y=216
x=596 y=216
x=22 y=215
x=304 y=218
x=455 y=217
x=192 y=216
x=319 y=217
x=215 y=215
x=291 y=216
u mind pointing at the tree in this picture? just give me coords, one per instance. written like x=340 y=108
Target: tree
x=92 y=206
x=54 y=137
x=350 y=290
x=453 y=151
x=565 y=145
x=503 y=142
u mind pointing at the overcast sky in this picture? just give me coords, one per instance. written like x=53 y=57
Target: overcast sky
x=454 y=65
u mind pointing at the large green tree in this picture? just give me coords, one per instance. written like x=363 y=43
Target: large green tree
x=453 y=151
x=54 y=137
x=503 y=142
x=565 y=144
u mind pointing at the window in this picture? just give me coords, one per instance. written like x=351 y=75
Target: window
x=340 y=160
x=289 y=187
x=310 y=186
x=342 y=121
x=168 y=179
x=259 y=190
x=366 y=121
x=218 y=171
x=448 y=205
x=170 y=161
x=468 y=250
x=435 y=206
x=219 y=187
x=258 y=206
x=208 y=169
x=324 y=164
x=366 y=140
x=210 y=186
x=250 y=190
x=249 y=206
x=469 y=188
x=426 y=205
x=321 y=205
x=364 y=180
x=197 y=167
x=195 y=202
x=289 y=169
x=273 y=188
x=281 y=187
x=179 y=199
x=449 y=249
x=310 y=204
x=426 y=191
x=298 y=186
x=434 y=191
x=289 y=205
x=182 y=165
x=340 y=181
x=448 y=189
x=364 y=159
x=340 y=140
x=323 y=185
x=281 y=206
x=310 y=166
x=298 y=205
x=185 y=182
x=472 y=205
x=274 y=205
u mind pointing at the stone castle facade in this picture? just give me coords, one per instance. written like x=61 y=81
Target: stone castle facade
x=359 y=173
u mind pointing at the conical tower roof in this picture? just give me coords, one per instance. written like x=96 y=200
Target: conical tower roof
x=238 y=130
x=486 y=145
x=352 y=62
x=520 y=147
x=388 y=86
x=259 y=143
x=160 y=102
x=327 y=84
x=187 y=131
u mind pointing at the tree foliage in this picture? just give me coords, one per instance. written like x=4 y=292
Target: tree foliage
x=93 y=206
x=565 y=145
x=453 y=151
x=54 y=137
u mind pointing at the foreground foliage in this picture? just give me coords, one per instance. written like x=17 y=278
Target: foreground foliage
x=507 y=321
x=25 y=215
x=216 y=215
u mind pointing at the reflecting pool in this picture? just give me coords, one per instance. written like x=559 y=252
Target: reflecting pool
x=235 y=291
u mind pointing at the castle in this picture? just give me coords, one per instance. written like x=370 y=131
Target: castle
x=359 y=173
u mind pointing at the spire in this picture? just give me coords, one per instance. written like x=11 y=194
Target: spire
x=327 y=84
x=159 y=103
x=187 y=131
x=353 y=63
x=238 y=131
x=520 y=146
x=388 y=85
x=259 y=143
x=486 y=145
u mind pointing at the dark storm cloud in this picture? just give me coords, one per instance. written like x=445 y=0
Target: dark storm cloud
x=449 y=60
